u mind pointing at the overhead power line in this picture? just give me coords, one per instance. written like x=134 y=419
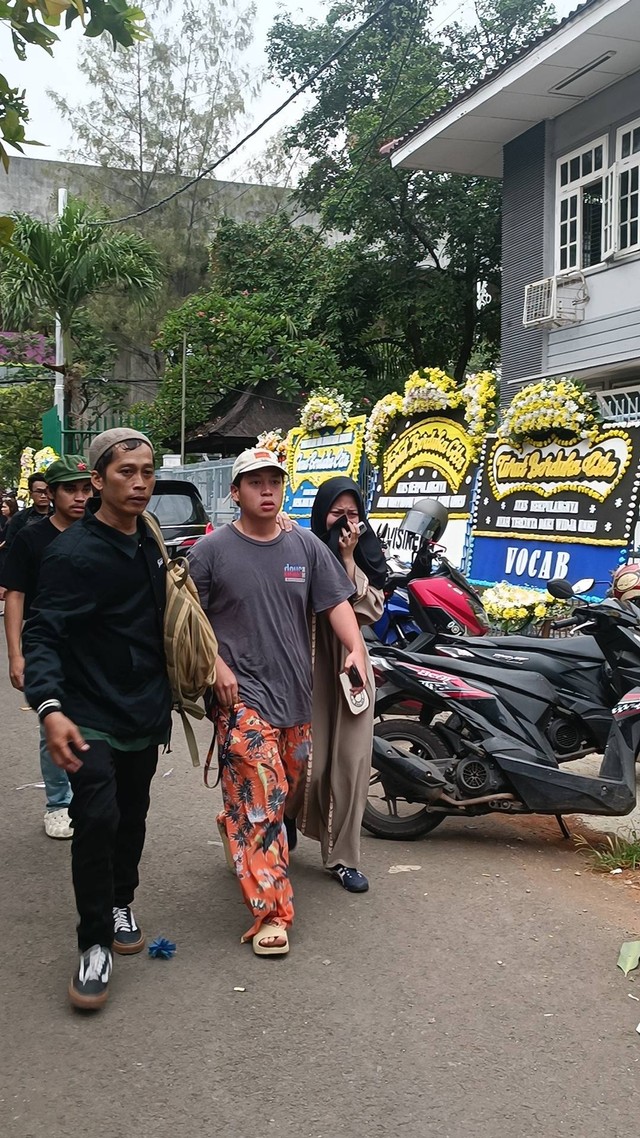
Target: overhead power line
x=342 y=47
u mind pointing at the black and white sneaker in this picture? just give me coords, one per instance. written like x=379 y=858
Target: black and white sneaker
x=127 y=937
x=89 y=987
x=350 y=879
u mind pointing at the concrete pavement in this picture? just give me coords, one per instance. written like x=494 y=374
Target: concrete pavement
x=474 y=997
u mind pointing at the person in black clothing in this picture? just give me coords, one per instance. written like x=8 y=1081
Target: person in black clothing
x=69 y=481
x=41 y=507
x=41 y=495
x=8 y=508
x=95 y=671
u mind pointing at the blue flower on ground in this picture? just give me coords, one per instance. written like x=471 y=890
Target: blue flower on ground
x=162 y=949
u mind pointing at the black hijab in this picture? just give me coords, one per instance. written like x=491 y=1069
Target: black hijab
x=368 y=554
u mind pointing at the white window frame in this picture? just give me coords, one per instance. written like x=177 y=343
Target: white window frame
x=571 y=194
x=626 y=166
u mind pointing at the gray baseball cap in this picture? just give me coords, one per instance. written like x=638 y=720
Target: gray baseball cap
x=102 y=443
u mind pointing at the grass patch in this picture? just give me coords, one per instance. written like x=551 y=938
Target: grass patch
x=615 y=852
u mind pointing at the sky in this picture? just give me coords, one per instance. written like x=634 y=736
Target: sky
x=40 y=73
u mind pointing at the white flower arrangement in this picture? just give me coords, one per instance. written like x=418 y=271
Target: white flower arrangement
x=275 y=442
x=324 y=410
x=480 y=394
x=551 y=407
x=379 y=424
x=511 y=608
x=430 y=389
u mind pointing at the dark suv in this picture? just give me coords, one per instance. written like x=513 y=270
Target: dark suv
x=178 y=509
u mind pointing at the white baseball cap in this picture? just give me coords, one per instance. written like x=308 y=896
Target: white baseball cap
x=255 y=459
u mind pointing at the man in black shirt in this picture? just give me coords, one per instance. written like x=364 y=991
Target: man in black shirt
x=39 y=491
x=41 y=508
x=69 y=484
x=95 y=671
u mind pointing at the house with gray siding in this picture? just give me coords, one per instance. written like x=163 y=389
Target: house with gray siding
x=559 y=123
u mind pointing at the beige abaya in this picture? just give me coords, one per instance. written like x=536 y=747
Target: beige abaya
x=336 y=788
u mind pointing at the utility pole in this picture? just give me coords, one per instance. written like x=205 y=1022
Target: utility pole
x=58 y=390
x=183 y=402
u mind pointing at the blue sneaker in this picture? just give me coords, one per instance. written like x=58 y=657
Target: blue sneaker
x=350 y=879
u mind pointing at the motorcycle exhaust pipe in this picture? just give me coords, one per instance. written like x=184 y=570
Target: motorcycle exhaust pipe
x=504 y=796
x=406 y=774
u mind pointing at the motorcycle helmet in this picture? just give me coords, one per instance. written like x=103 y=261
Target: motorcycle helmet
x=625 y=585
x=427 y=517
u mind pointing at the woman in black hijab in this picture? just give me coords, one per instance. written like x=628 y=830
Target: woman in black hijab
x=340 y=766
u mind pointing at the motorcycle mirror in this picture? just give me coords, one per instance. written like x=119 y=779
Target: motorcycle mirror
x=584 y=585
x=560 y=588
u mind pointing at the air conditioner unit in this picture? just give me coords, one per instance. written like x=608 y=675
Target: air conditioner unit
x=555 y=301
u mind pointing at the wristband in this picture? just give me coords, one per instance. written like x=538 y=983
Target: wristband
x=47 y=707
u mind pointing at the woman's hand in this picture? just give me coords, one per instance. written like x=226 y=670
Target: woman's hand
x=347 y=542
x=349 y=539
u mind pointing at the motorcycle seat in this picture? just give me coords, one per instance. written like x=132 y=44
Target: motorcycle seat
x=583 y=647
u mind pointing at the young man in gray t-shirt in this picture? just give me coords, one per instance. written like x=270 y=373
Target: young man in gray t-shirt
x=256 y=584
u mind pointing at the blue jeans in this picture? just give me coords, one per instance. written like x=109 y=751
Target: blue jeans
x=56 y=782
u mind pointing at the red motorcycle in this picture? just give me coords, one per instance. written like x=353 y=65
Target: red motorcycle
x=429 y=594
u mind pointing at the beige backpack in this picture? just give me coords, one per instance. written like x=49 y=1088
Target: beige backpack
x=190 y=646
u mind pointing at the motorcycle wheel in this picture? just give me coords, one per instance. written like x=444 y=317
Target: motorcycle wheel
x=381 y=816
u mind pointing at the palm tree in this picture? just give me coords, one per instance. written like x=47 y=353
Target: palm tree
x=68 y=262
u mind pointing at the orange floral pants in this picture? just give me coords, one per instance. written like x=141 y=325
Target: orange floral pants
x=260 y=766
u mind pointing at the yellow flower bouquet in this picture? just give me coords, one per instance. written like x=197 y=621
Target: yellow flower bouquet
x=512 y=608
x=480 y=394
x=558 y=407
x=379 y=424
x=325 y=410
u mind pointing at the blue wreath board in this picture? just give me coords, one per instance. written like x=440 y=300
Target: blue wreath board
x=556 y=509
x=313 y=458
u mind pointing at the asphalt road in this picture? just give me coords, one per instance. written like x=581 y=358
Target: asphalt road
x=476 y=996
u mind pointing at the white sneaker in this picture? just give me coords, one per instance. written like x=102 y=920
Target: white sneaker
x=57 y=824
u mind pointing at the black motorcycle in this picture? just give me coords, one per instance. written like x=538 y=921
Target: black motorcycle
x=585 y=685
x=481 y=757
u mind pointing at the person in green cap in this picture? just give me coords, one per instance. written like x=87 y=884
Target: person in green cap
x=69 y=482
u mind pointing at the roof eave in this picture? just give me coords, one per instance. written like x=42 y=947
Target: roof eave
x=568 y=32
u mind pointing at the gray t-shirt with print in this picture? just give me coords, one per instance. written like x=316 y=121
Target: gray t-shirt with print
x=257 y=595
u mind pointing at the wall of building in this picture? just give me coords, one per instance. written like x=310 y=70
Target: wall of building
x=523 y=214
x=607 y=341
x=32 y=187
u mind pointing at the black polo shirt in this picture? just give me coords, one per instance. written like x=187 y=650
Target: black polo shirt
x=22 y=565
x=95 y=637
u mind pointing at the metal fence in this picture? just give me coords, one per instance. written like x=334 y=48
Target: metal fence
x=213 y=480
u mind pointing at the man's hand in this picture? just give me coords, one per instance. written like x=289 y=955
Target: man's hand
x=16 y=672
x=357 y=659
x=61 y=734
x=226 y=685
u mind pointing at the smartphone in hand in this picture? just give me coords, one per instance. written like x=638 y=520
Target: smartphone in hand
x=355 y=679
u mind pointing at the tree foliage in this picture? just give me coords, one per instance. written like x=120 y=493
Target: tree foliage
x=161 y=112
x=32 y=24
x=21 y=410
x=436 y=236
x=235 y=343
x=68 y=263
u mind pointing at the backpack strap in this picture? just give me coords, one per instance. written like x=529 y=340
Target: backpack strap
x=192 y=742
